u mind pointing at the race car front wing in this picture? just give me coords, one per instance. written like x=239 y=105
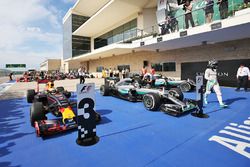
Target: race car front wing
x=50 y=127
x=178 y=108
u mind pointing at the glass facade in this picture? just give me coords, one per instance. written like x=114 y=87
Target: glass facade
x=99 y=68
x=121 y=33
x=67 y=38
x=77 y=21
x=74 y=45
x=170 y=66
x=165 y=67
x=80 y=45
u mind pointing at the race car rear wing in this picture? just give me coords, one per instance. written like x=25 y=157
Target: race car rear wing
x=42 y=81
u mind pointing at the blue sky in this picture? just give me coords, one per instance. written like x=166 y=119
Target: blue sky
x=31 y=30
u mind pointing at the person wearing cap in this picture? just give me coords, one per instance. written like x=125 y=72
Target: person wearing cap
x=212 y=82
x=243 y=75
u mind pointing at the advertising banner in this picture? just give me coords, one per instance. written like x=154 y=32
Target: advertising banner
x=227 y=70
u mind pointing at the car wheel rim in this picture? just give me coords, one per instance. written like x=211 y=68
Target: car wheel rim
x=185 y=87
x=148 y=101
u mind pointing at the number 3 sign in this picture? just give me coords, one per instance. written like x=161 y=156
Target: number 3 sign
x=86 y=114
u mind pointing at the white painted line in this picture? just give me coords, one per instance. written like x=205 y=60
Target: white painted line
x=4 y=87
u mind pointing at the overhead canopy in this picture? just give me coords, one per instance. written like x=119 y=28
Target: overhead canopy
x=108 y=51
x=110 y=14
x=87 y=7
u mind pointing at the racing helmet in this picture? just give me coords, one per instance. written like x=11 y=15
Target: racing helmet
x=212 y=64
x=50 y=86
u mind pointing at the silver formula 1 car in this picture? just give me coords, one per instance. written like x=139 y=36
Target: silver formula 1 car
x=169 y=101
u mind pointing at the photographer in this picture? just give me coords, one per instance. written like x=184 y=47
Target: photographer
x=187 y=7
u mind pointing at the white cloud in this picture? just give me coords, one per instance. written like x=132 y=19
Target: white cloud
x=19 y=12
x=17 y=30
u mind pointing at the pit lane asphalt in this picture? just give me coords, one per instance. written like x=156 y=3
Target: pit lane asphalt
x=18 y=89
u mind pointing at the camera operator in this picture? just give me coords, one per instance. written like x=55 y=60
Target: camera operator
x=187 y=7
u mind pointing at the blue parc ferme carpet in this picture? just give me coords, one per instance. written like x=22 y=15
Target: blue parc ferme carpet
x=131 y=136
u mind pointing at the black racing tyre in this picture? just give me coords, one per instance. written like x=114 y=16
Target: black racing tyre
x=104 y=90
x=98 y=117
x=67 y=94
x=60 y=89
x=185 y=87
x=37 y=112
x=177 y=93
x=30 y=95
x=152 y=101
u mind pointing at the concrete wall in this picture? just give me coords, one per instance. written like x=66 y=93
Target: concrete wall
x=44 y=66
x=54 y=64
x=223 y=51
x=150 y=20
x=51 y=65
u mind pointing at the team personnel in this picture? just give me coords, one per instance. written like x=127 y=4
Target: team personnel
x=212 y=82
x=243 y=75
x=81 y=73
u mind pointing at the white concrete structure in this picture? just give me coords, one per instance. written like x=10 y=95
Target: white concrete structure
x=107 y=47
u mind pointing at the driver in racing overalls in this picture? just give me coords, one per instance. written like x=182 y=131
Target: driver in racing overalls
x=212 y=82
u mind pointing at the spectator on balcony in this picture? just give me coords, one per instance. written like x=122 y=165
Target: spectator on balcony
x=165 y=27
x=209 y=10
x=246 y=2
x=223 y=8
x=171 y=24
x=187 y=7
x=174 y=24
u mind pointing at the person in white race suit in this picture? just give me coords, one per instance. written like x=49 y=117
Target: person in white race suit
x=212 y=82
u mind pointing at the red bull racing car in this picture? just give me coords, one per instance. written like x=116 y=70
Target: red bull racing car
x=55 y=101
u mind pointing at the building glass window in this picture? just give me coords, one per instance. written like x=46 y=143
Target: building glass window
x=121 y=33
x=164 y=67
x=99 y=68
x=157 y=67
x=170 y=66
x=80 y=45
x=77 y=21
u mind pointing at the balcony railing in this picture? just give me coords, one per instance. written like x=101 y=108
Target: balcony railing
x=177 y=23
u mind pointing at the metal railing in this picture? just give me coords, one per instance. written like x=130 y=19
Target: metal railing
x=177 y=23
